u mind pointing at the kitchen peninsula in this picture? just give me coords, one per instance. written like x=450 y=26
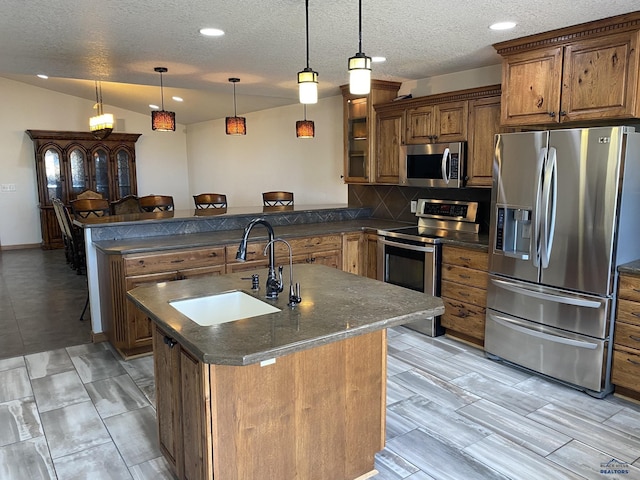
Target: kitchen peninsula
x=299 y=393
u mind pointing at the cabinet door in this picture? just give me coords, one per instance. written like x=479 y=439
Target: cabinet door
x=351 y=253
x=331 y=258
x=484 y=123
x=388 y=153
x=600 y=78
x=54 y=181
x=531 y=84
x=357 y=140
x=370 y=262
x=78 y=172
x=124 y=176
x=450 y=122
x=420 y=125
x=166 y=363
x=99 y=172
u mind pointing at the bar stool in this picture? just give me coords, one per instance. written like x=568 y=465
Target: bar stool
x=128 y=204
x=273 y=199
x=210 y=200
x=156 y=203
x=90 y=207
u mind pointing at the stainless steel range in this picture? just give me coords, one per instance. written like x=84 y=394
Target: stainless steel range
x=410 y=256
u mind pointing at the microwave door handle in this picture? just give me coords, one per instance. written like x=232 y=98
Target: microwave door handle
x=443 y=166
x=537 y=204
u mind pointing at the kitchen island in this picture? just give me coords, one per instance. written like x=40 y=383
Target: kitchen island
x=295 y=394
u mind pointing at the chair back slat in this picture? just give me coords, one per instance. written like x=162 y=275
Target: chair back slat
x=210 y=200
x=90 y=207
x=156 y=203
x=272 y=199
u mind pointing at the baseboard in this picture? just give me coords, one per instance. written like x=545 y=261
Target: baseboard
x=98 y=337
x=20 y=247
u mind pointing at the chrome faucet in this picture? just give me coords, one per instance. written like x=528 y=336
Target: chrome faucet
x=274 y=285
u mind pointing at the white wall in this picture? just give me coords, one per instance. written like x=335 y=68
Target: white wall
x=160 y=156
x=478 y=77
x=270 y=156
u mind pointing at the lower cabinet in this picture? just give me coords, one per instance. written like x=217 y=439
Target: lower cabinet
x=626 y=341
x=464 y=292
x=271 y=422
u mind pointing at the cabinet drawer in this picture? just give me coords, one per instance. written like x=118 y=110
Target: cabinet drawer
x=626 y=370
x=628 y=312
x=464 y=293
x=255 y=251
x=464 y=318
x=627 y=335
x=173 y=260
x=629 y=288
x=465 y=257
x=310 y=245
x=465 y=276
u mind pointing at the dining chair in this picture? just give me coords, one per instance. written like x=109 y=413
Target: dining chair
x=128 y=204
x=90 y=207
x=156 y=203
x=210 y=200
x=273 y=199
x=89 y=194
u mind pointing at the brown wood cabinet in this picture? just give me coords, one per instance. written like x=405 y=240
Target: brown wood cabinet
x=626 y=347
x=575 y=74
x=255 y=421
x=464 y=292
x=360 y=129
x=389 y=152
x=484 y=123
x=67 y=163
x=126 y=327
x=446 y=122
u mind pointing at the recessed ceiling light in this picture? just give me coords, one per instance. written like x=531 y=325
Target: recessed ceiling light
x=502 y=25
x=43 y=76
x=378 y=59
x=178 y=99
x=155 y=107
x=211 y=32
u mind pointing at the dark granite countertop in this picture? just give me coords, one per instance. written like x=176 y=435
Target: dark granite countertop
x=631 y=268
x=335 y=305
x=225 y=237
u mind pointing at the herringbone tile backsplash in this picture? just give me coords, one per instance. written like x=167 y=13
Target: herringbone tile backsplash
x=393 y=201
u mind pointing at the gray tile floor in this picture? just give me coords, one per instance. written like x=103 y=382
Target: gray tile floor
x=80 y=412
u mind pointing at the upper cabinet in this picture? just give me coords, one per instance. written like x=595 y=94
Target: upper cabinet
x=445 y=122
x=67 y=163
x=575 y=74
x=360 y=129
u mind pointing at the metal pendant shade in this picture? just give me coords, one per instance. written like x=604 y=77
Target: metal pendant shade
x=161 y=120
x=307 y=78
x=100 y=125
x=305 y=128
x=360 y=65
x=235 y=125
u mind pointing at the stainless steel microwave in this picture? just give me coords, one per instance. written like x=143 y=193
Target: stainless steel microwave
x=440 y=165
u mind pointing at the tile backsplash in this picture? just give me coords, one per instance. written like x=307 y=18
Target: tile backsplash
x=393 y=201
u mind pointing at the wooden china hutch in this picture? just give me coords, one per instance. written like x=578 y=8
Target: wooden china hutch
x=68 y=163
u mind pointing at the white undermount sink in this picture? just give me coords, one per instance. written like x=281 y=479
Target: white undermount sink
x=222 y=308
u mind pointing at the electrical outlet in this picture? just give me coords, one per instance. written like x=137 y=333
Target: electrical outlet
x=414 y=206
x=8 y=187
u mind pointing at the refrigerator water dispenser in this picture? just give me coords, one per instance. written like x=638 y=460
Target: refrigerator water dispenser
x=513 y=235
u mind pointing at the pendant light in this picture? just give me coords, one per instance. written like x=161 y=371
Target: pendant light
x=162 y=120
x=305 y=128
x=307 y=78
x=100 y=125
x=235 y=125
x=360 y=65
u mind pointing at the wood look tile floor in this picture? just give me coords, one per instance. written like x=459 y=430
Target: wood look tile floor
x=80 y=412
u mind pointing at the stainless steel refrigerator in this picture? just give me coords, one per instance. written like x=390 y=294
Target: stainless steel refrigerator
x=565 y=213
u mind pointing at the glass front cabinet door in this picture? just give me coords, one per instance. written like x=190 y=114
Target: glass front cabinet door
x=68 y=163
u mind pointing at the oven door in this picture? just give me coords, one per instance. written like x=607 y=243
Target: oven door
x=412 y=265
x=434 y=165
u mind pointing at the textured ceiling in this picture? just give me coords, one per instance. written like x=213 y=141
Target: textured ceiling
x=120 y=42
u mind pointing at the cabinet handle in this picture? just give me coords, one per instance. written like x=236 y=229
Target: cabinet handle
x=169 y=341
x=463 y=294
x=636 y=314
x=634 y=362
x=465 y=259
x=213 y=254
x=466 y=277
x=562 y=113
x=313 y=259
x=637 y=290
x=634 y=338
x=180 y=260
x=552 y=114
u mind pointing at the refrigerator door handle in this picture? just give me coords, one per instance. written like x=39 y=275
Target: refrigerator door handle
x=537 y=206
x=505 y=322
x=443 y=166
x=549 y=195
x=579 y=302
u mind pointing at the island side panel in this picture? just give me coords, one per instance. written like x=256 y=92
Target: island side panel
x=318 y=412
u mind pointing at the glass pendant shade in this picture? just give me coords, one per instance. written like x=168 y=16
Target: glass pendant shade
x=305 y=129
x=236 y=126
x=100 y=125
x=308 y=86
x=360 y=74
x=163 y=121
